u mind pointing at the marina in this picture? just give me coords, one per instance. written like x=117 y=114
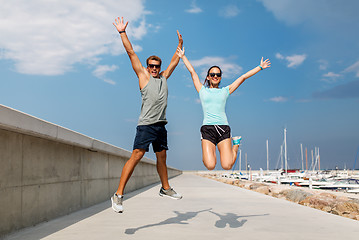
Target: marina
x=310 y=176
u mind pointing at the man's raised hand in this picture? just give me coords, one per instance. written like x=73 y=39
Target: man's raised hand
x=180 y=39
x=120 y=25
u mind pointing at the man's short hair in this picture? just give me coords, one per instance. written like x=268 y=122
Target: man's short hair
x=153 y=57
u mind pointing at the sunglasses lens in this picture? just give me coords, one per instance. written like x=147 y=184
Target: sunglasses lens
x=154 y=66
x=215 y=74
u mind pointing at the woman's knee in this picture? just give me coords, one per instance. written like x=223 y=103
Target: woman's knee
x=227 y=166
x=209 y=165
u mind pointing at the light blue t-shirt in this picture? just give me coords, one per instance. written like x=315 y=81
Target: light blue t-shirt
x=213 y=102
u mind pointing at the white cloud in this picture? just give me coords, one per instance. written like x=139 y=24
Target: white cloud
x=292 y=61
x=331 y=77
x=229 y=11
x=353 y=68
x=279 y=56
x=194 y=8
x=101 y=70
x=290 y=12
x=49 y=37
x=229 y=69
x=109 y=81
x=325 y=15
x=278 y=99
x=295 y=60
x=323 y=64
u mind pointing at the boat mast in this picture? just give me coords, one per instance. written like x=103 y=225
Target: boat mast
x=281 y=157
x=301 y=153
x=267 y=157
x=318 y=160
x=285 y=150
x=240 y=159
x=312 y=161
x=245 y=156
x=306 y=159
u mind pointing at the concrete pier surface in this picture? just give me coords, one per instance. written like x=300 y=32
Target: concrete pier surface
x=209 y=210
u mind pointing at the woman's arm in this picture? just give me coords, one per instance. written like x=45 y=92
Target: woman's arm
x=196 y=82
x=263 y=65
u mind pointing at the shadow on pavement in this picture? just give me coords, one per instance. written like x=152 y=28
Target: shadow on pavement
x=229 y=218
x=179 y=219
x=232 y=220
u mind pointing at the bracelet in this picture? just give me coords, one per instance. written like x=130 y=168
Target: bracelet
x=260 y=66
x=121 y=32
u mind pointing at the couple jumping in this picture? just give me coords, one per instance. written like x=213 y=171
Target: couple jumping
x=151 y=125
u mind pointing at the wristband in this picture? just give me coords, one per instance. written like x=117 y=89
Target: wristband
x=260 y=66
x=121 y=32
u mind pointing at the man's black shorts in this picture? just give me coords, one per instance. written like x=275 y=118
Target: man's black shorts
x=147 y=134
x=215 y=133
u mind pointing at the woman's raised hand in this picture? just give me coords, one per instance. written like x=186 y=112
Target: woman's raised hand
x=180 y=52
x=265 y=64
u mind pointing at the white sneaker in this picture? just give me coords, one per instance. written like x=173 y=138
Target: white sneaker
x=117 y=203
x=169 y=193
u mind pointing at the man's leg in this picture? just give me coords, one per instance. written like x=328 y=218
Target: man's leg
x=165 y=190
x=127 y=170
x=162 y=168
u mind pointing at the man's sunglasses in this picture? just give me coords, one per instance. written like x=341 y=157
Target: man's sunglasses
x=154 y=66
x=215 y=74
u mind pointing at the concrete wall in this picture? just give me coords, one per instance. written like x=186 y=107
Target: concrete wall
x=47 y=171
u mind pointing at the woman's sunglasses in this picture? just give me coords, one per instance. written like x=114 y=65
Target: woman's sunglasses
x=154 y=66
x=215 y=74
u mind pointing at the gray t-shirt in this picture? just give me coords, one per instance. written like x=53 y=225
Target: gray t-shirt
x=154 y=101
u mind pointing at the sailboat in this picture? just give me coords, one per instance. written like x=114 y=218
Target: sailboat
x=343 y=184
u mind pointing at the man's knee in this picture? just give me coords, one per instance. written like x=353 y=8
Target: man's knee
x=137 y=154
x=161 y=156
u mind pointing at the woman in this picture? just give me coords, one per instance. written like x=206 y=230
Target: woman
x=215 y=130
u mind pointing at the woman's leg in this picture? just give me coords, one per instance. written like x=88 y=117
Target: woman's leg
x=209 y=154
x=228 y=153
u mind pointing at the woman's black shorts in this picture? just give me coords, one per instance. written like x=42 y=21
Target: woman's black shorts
x=215 y=133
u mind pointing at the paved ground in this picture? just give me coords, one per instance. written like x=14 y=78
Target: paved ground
x=209 y=210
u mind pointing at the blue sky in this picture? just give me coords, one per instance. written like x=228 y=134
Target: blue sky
x=64 y=62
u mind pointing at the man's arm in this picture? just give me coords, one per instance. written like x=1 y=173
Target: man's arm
x=135 y=61
x=175 y=59
x=263 y=65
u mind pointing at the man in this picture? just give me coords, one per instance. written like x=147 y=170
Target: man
x=151 y=125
